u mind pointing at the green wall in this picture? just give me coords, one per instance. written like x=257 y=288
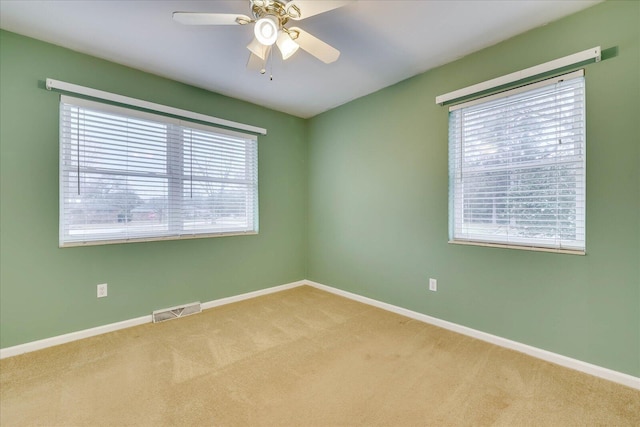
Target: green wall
x=47 y=291
x=378 y=202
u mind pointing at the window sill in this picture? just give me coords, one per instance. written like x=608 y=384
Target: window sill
x=522 y=248
x=154 y=239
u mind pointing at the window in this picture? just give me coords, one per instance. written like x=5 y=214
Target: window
x=517 y=167
x=127 y=175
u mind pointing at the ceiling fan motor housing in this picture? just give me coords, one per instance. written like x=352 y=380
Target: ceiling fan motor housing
x=270 y=17
x=275 y=8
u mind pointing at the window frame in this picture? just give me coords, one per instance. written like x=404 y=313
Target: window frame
x=456 y=202
x=175 y=145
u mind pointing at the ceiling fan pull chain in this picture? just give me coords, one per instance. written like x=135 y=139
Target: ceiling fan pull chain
x=271 y=65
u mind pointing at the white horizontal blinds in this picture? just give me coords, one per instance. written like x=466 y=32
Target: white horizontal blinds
x=220 y=182
x=128 y=175
x=517 y=167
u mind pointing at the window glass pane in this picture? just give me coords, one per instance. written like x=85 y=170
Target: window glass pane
x=216 y=206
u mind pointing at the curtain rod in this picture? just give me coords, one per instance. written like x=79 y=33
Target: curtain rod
x=120 y=99
x=576 y=58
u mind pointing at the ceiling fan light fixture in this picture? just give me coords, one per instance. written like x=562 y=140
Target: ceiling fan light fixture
x=286 y=45
x=266 y=30
x=258 y=49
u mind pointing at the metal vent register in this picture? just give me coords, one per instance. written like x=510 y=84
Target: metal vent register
x=176 y=312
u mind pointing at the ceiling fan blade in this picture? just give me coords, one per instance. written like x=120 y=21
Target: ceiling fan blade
x=301 y=9
x=197 y=18
x=315 y=46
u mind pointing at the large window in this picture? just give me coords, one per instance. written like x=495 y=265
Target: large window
x=127 y=175
x=517 y=167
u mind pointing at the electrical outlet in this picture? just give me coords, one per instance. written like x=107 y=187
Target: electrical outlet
x=102 y=290
x=433 y=285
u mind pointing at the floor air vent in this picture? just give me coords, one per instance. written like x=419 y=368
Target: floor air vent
x=175 y=312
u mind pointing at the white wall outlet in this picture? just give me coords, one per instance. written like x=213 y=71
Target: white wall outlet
x=433 y=285
x=102 y=290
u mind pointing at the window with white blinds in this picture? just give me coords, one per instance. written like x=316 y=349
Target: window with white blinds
x=517 y=167
x=127 y=175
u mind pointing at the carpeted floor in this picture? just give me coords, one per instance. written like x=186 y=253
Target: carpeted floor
x=301 y=357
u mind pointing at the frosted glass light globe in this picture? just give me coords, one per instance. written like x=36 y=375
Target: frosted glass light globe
x=266 y=30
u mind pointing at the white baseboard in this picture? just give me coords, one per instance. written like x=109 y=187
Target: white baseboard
x=86 y=333
x=72 y=336
x=578 y=365
x=249 y=295
x=558 y=359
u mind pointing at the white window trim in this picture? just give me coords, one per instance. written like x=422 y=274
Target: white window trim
x=519 y=89
x=52 y=84
x=595 y=54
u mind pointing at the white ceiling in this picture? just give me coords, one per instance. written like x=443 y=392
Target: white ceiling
x=381 y=42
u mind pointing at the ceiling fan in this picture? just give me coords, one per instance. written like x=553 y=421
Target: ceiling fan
x=270 y=18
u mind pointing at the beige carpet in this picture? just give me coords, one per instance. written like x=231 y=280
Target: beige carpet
x=301 y=357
